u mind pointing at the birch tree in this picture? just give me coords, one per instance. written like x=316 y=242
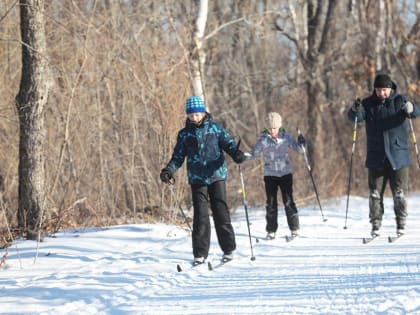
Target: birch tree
x=198 y=54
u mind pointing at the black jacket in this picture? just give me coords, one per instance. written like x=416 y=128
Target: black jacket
x=386 y=129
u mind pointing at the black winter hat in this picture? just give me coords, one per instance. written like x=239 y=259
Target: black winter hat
x=382 y=81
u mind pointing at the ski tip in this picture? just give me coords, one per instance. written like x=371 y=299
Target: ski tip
x=389 y=239
x=290 y=238
x=209 y=265
x=364 y=240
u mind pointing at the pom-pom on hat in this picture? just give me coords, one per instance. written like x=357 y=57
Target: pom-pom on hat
x=382 y=81
x=273 y=120
x=194 y=104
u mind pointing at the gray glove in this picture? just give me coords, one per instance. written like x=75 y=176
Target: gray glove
x=408 y=107
x=357 y=105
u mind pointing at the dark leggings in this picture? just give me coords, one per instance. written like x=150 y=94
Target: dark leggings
x=272 y=183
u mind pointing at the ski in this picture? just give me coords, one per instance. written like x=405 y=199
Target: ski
x=290 y=238
x=392 y=239
x=221 y=263
x=179 y=267
x=264 y=239
x=367 y=240
x=210 y=266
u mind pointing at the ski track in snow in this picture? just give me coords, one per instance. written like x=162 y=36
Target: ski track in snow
x=131 y=269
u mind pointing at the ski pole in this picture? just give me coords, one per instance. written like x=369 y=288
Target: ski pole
x=350 y=169
x=171 y=189
x=413 y=135
x=246 y=209
x=245 y=203
x=312 y=177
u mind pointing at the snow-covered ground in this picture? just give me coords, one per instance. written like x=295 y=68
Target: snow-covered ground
x=131 y=269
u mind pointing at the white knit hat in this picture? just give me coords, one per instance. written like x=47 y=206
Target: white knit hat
x=273 y=120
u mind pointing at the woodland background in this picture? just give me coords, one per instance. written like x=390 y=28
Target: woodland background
x=121 y=71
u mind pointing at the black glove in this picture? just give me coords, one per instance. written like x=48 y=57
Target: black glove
x=408 y=107
x=166 y=175
x=301 y=140
x=357 y=105
x=238 y=156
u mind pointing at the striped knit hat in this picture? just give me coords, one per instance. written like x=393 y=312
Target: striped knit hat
x=194 y=104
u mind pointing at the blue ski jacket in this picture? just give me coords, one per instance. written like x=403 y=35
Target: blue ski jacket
x=386 y=129
x=275 y=152
x=203 y=147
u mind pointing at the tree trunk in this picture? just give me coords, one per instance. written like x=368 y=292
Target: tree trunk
x=30 y=102
x=198 y=55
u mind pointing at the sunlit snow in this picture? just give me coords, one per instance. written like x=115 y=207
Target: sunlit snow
x=131 y=269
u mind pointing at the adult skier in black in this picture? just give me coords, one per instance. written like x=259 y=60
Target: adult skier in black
x=385 y=114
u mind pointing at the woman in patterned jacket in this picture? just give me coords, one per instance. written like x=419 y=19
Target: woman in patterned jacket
x=202 y=142
x=275 y=143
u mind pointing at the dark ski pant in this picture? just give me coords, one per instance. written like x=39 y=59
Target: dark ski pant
x=398 y=181
x=272 y=183
x=215 y=196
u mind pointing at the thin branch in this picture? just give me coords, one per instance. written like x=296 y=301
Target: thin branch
x=7 y=12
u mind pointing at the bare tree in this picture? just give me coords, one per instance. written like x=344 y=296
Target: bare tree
x=122 y=70
x=198 y=54
x=30 y=103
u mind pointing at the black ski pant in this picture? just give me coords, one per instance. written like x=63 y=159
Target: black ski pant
x=272 y=183
x=398 y=181
x=215 y=196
